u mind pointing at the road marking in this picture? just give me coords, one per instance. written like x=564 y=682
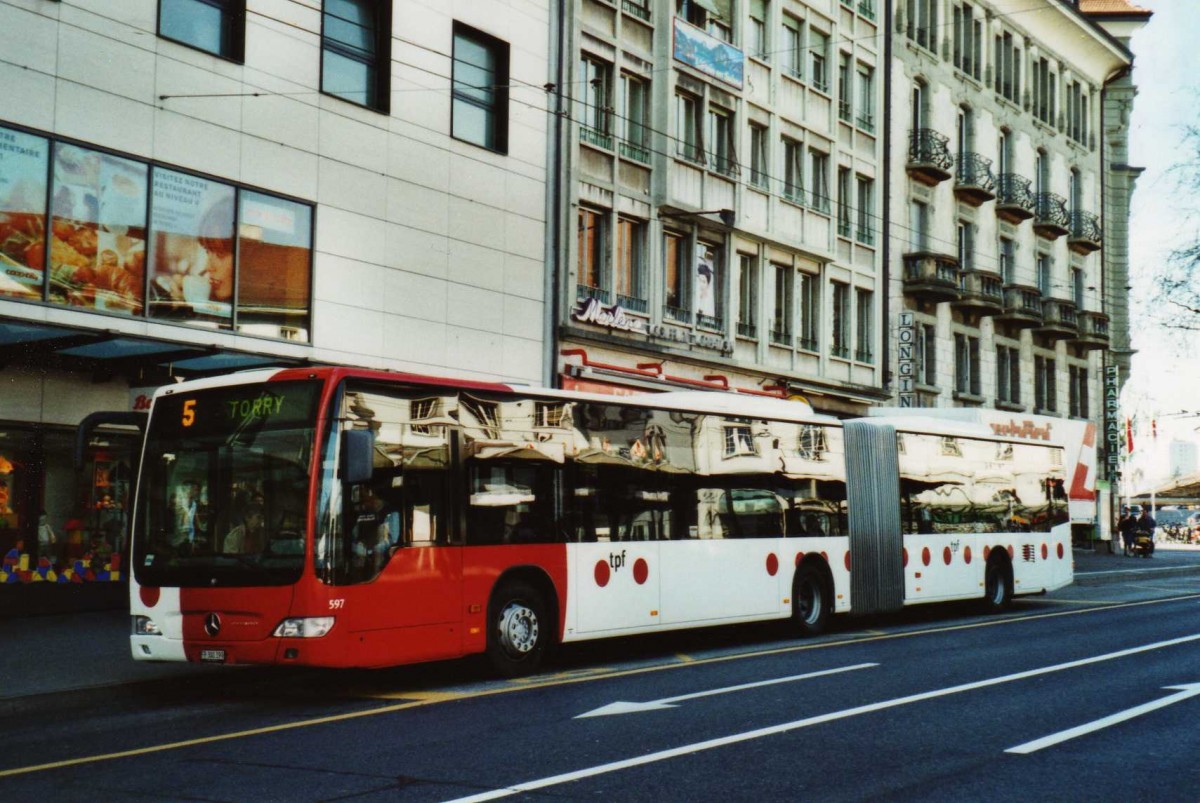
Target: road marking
x=562 y=681
x=669 y=702
x=786 y=727
x=1185 y=691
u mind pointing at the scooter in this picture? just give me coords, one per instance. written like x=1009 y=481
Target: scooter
x=1143 y=544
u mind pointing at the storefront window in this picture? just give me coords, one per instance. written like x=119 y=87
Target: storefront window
x=274 y=266
x=192 y=219
x=23 y=167
x=98 y=248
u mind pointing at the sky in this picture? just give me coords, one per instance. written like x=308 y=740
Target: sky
x=1165 y=377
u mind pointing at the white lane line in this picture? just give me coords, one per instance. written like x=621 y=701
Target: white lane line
x=710 y=744
x=1185 y=691
x=622 y=707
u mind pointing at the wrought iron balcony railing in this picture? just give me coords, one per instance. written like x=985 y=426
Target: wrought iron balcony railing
x=1051 y=218
x=1014 y=197
x=929 y=157
x=974 y=181
x=1086 y=235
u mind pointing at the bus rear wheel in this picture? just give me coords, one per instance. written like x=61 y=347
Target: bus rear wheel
x=812 y=602
x=517 y=630
x=997 y=587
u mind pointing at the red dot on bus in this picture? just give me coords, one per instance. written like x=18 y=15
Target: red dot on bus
x=1060 y=551
x=987 y=550
x=847 y=561
x=149 y=595
x=772 y=564
x=825 y=556
x=641 y=570
x=1011 y=551
x=906 y=556
x=946 y=555
x=1045 y=551
x=925 y=556
x=602 y=573
x=967 y=554
x=798 y=556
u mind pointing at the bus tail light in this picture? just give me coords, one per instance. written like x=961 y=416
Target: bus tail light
x=304 y=627
x=145 y=626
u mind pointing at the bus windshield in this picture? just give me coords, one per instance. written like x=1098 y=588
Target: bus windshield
x=224 y=485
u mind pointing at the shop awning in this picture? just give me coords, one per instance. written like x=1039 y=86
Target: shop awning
x=107 y=352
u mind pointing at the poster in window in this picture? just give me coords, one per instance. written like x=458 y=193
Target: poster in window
x=192 y=251
x=23 y=163
x=98 y=228
x=706 y=280
x=274 y=273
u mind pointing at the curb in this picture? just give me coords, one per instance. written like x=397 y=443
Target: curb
x=1117 y=575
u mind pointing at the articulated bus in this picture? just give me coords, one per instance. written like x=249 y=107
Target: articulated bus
x=340 y=517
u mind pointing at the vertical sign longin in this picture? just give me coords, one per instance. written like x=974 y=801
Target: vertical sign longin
x=905 y=363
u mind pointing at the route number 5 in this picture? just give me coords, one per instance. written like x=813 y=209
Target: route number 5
x=189 y=412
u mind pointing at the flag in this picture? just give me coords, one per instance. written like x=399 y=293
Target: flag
x=1129 y=436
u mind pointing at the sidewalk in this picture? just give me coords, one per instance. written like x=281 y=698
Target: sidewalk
x=55 y=662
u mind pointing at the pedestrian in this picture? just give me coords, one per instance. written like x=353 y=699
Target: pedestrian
x=1127 y=527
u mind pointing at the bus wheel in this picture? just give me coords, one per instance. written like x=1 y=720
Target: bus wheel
x=812 y=602
x=516 y=637
x=997 y=586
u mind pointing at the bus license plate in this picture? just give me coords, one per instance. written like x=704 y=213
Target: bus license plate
x=213 y=656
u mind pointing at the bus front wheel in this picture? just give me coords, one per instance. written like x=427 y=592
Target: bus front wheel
x=517 y=630
x=812 y=602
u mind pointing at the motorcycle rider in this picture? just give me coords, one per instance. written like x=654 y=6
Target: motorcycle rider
x=1146 y=524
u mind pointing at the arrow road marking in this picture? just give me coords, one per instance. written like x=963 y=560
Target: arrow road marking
x=787 y=727
x=669 y=702
x=1185 y=691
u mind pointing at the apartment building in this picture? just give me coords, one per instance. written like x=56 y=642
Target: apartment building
x=721 y=185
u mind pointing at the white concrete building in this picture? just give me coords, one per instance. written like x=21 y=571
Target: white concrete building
x=190 y=186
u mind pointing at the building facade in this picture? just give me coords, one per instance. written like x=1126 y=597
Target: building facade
x=199 y=186
x=720 y=224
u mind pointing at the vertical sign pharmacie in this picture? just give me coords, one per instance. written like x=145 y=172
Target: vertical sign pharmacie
x=1112 y=424
x=906 y=361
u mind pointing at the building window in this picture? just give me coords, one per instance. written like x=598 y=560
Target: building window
x=631 y=239
x=792 y=51
x=844 y=202
x=723 y=156
x=865 y=226
x=1008 y=374
x=595 y=99
x=809 y=311
x=968 y=40
x=781 y=315
x=866 y=98
x=356 y=58
x=480 y=108
x=921 y=19
x=1008 y=260
x=687 y=128
x=966 y=245
x=820 y=181
x=840 y=323
x=590 y=274
x=214 y=26
x=636 y=95
x=1077 y=120
x=918 y=226
x=1045 y=384
x=811 y=444
x=845 y=106
x=756 y=41
x=966 y=364
x=739 y=441
x=747 y=320
x=818 y=50
x=758 y=155
x=864 y=325
x=710 y=287
x=793 y=170
x=1008 y=67
x=274 y=267
x=1044 y=94
x=1044 y=273
x=926 y=354
x=1077 y=287
x=675 y=267
x=1078 y=391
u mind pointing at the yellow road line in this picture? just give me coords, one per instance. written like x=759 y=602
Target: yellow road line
x=419 y=699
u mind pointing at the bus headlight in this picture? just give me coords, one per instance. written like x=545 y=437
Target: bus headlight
x=145 y=626
x=304 y=627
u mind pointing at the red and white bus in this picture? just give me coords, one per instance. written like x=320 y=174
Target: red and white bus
x=341 y=517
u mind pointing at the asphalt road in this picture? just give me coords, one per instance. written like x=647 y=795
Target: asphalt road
x=1091 y=693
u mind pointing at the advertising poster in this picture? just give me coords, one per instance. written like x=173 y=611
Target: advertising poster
x=98 y=243
x=23 y=164
x=274 y=273
x=706 y=279
x=192 y=253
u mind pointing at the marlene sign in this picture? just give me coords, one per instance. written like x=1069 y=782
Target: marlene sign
x=590 y=310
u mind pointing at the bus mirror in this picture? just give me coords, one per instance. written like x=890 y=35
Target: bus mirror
x=358 y=453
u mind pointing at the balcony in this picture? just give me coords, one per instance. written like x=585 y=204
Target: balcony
x=1058 y=319
x=974 y=181
x=931 y=277
x=1085 y=236
x=1050 y=219
x=981 y=291
x=1022 y=307
x=1093 y=330
x=929 y=158
x=1014 y=198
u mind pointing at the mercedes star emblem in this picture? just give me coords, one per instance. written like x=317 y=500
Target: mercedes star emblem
x=212 y=624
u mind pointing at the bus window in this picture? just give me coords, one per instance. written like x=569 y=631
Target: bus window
x=510 y=503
